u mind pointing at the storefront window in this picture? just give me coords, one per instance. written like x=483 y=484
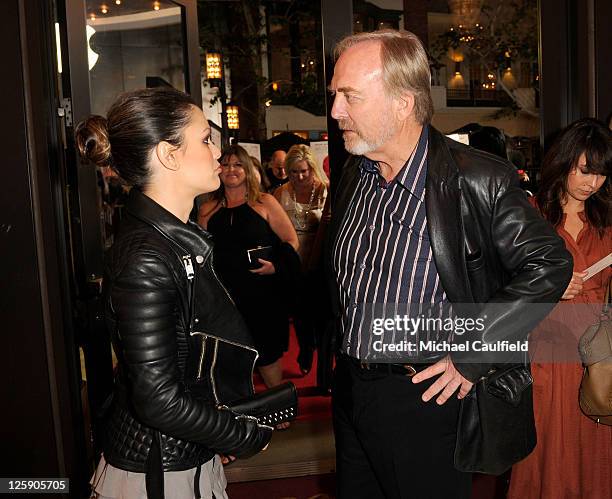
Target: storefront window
x=272 y=56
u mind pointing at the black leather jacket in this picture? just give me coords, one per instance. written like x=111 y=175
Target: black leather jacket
x=489 y=244
x=182 y=347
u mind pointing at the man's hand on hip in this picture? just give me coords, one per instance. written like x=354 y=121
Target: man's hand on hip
x=447 y=384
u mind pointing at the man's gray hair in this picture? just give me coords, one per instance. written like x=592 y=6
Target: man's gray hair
x=405 y=66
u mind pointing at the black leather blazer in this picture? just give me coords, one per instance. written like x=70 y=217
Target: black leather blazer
x=182 y=347
x=489 y=244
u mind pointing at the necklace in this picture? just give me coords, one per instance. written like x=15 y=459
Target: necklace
x=301 y=215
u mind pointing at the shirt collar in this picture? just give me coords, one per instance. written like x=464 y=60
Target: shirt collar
x=414 y=172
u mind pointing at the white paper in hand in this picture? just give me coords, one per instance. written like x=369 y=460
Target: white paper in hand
x=597 y=267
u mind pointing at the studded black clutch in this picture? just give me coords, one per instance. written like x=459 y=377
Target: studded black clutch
x=270 y=407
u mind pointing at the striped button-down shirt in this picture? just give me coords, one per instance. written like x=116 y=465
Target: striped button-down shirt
x=382 y=256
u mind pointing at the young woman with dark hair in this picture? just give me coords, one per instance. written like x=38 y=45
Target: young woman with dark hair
x=573 y=457
x=165 y=307
x=575 y=174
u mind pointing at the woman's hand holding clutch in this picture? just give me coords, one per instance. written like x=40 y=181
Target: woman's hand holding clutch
x=267 y=267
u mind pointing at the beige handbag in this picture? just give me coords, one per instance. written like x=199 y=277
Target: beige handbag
x=596 y=354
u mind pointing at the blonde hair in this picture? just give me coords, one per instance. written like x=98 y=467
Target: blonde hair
x=301 y=152
x=253 y=192
x=405 y=66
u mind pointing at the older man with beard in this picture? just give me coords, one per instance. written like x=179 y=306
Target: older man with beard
x=417 y=219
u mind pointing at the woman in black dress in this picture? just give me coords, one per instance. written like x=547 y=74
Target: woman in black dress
x=241 y=218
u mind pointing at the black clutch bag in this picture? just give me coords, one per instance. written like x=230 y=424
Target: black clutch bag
x=263 y=252
x=270 y=407
x=496 y=427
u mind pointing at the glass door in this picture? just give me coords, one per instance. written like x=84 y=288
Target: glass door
x=133 y=44
x=106 y=47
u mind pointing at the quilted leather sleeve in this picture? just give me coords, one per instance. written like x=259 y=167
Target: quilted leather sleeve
x=143 y=300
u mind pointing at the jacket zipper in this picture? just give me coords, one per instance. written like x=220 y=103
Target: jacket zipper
x=206 y=335
x=202 y=354
x=187 y=262
x=213 y=383
x=212 y=268
x=188 y=267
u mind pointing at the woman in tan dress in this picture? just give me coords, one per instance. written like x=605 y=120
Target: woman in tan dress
x=573 y=456
x=303 y=199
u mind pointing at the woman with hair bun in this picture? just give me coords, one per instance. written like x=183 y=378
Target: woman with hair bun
x=166 y=309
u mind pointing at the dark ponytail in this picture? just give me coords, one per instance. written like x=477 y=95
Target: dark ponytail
x=136 y=122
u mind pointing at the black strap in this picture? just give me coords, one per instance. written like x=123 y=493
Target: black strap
x=154 y=477
x=196 y=482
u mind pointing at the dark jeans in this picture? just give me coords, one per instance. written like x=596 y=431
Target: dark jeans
x=389 y=443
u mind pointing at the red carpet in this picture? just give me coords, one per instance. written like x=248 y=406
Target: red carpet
x=311 y=405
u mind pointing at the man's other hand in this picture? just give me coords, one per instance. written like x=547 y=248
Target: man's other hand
x=447 y=384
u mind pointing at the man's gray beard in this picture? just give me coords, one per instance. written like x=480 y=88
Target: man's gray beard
x=361 y=146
